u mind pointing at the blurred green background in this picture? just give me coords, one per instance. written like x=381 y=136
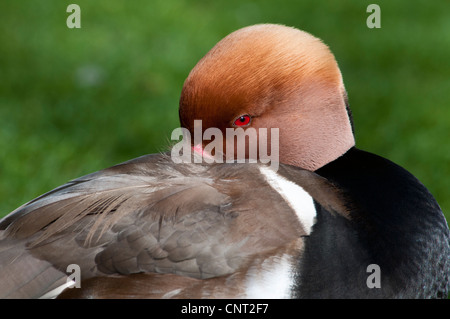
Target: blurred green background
x=73 y=101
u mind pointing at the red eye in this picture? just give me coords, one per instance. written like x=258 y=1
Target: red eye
x=242 y=120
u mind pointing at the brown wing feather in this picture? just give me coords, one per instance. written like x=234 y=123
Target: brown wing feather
x=148 y=216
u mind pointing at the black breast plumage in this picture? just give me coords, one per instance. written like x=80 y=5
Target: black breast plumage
x=149 y=216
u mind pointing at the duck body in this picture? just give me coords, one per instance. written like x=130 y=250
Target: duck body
x=148 y=218
x=330 y=219
x=152 y=229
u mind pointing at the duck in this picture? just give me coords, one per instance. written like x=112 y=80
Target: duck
x=329 y=221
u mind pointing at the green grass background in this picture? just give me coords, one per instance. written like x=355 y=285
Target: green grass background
x=73 y=101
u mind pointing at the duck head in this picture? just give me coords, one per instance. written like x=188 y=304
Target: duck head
x=273 y=76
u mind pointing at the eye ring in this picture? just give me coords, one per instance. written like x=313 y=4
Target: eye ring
x=243 y=120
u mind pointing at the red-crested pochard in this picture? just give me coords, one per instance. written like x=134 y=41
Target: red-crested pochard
x=332 y=221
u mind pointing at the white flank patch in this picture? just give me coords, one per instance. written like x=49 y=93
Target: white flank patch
x=297 y=198
x=271 y=280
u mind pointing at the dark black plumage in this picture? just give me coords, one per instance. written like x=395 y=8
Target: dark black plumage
x=395 y=223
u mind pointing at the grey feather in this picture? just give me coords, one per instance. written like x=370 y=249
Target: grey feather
x=144 y=216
